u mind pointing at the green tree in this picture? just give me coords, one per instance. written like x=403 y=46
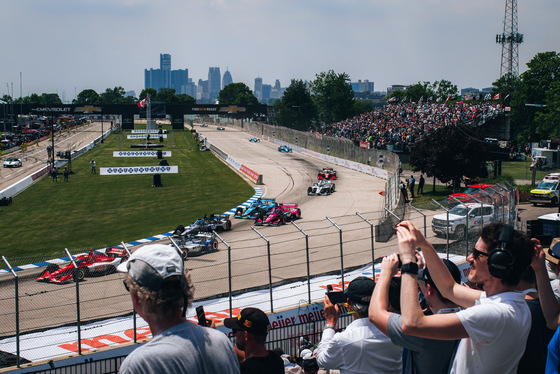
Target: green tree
x=418 y=91
x=237 y=94
x=148 y=91
x=296 y=108
x=185 y=99
x=362 y=106
x=87 y=97
x=167 y=95
x=449 y=154
x=51 y=99
x=112 y=96
x=443 y=89
x=333 y=96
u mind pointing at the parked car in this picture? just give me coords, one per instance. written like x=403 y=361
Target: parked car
x=548 y=191
x=478 y=215
x=12 y=162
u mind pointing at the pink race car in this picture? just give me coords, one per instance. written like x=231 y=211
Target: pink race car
x=89 y=264
x=279 y=215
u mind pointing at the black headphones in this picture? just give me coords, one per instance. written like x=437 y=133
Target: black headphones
x=501 y=261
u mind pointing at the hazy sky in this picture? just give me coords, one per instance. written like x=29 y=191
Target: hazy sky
x=66 y=46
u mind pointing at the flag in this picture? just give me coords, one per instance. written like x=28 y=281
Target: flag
x=487 y=96
x=507 y=97
x=477 y=97
x=438 y=99
x=448 y=97
x=143 y=103
x=393 y=99
x=421 y=99
x=431 y=98
x=468 y=97
x=497 y=96
x=403 y=99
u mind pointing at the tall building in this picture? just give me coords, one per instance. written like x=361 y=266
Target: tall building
x=156 y=79
x=258 y=88
x=365 y=86
x=214 y=83
x=179 y=80
x=227 y=79
x=165 y=61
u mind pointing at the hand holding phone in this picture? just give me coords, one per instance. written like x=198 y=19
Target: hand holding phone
x=201 y=316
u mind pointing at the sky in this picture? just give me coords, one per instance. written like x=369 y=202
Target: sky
x=67 y=46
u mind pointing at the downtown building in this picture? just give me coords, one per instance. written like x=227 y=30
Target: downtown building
x=164 y=77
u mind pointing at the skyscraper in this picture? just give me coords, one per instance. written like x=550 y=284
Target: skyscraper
x=227 y=79
x=214 y=83
x=165 y=61
x=258 y=88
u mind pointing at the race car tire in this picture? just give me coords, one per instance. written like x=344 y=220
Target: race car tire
x=185 y=254
x=298 y=214
x=554 y=201
x=80 y=274
x=239 y=212
x=214 y=245
x=283 y=220
x=178 y=230
x=309 y=191
x=228 y=225
x=333 y=188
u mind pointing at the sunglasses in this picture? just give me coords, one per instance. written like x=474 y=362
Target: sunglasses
x=476 y=254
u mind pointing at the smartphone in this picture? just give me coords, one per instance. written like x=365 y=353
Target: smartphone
x=329 y=288
x=201 y=316
x=337 y=297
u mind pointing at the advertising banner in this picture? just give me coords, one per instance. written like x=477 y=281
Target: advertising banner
x=140 y=153
x=130 y=170
x=364 y=144
x=144 y=136
x=151 y=131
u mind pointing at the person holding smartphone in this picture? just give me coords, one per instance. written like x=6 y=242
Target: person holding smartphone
x=361 y=347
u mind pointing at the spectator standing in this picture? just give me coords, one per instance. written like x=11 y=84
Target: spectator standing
x=66 y=173
x=553 y=262
x=421 y=183
x=424 y=355
x=412 y=183
x=495 y=324
x=54 y=174
x=251 y=328
x=402 y=187
x=161 y=292
x=361 y=347
x=92 y=163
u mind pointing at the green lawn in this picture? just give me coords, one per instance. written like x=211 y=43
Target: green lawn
x=92 y=210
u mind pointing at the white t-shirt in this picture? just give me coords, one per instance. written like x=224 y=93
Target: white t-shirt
x=498 y=327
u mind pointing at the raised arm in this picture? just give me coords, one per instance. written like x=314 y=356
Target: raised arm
x=549 y=304
x=379 y=305
x=459 y=294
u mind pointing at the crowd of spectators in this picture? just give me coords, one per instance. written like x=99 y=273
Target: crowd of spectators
x=402 y=124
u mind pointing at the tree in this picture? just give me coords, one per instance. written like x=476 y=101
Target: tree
x=362 y=106
x=418 y=91
x=87 y=97
x=296 y=108
x=443 y=89
x=449 y=154
x=112 y=96
x=167 y=95
x=148 y=91
x=237 y=94
x=333 y=96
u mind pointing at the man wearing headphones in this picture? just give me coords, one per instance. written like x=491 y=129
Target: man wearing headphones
x=495 y=323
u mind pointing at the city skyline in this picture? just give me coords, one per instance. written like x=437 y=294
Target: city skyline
x=67 y=46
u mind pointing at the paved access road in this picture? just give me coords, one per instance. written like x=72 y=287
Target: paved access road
x=36 y=156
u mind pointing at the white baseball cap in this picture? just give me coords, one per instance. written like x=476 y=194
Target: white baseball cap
x=150 y=265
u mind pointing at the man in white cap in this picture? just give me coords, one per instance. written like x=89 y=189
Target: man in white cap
x=161 y=292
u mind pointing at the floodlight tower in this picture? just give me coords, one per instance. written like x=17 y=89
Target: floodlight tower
x=510 y=40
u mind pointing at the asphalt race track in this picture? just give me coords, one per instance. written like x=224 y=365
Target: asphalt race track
x=286 y=177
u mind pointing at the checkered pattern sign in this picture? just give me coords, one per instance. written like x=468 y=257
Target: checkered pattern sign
x=129 y=170
x=140 y=153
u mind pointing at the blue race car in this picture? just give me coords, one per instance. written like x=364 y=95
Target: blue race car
x=284 y=149
x=254 y=140
x=255 y=209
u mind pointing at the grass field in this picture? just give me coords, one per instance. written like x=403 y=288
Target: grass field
x=93 y=210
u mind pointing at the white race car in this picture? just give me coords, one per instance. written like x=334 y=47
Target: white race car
x=12 y=162
x=322 y=187
x=198 y=244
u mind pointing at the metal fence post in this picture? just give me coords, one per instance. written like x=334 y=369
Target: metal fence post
x=307 y=261
x=134 y=310
x=341 y=252
x=78 y=324
x=269 y=267
x=447 y=228
x=503 y=206
x=372 y=244
x=230 y=294
x=17 y=309
x=423 y=215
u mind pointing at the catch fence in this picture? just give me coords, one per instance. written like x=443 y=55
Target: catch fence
x=284 y=266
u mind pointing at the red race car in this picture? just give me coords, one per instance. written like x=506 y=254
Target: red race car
x=92 y=263
x=327 y=173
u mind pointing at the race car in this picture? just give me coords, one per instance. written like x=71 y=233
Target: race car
x=219 y=222
x=92 y=263
x=322 y=187
x=254 y=140
x=221 y=128
x=279 y=215
x=327 y=173
x=198 y=244
x=12 y=162
x=255 y=209
x=284 y=149
x=204 y=125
